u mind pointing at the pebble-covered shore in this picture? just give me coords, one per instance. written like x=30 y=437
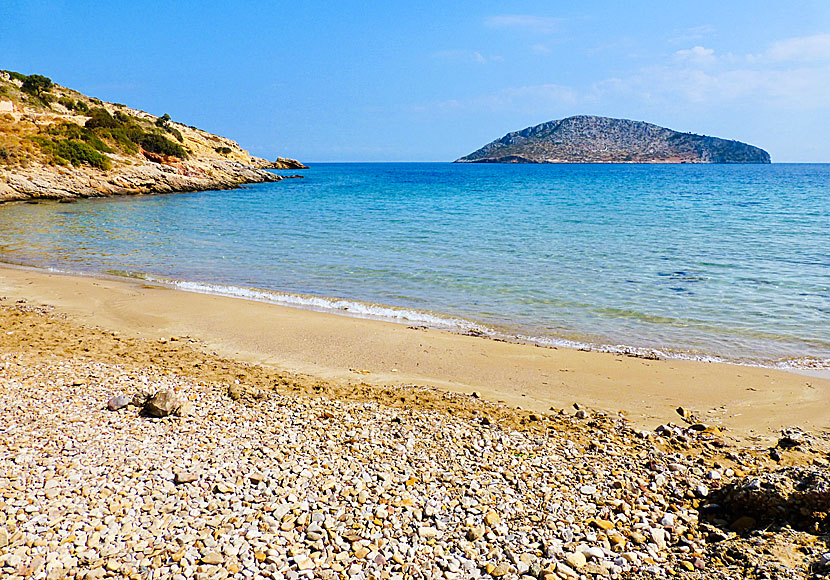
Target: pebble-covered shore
x=292 y=482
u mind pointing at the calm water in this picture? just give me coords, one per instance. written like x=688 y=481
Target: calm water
x=705 y=261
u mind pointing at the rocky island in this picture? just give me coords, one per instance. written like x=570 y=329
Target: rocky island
x=590 y=139
x=56 y=143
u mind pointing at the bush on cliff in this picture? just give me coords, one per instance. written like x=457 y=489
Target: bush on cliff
x=73 y=131
x=37 y=85
x=65 y=151
x=129 y=134
x=155 y=143
x=100 y=117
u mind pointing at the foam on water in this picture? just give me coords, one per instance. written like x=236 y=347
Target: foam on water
x=349 y=307
x=440 y=322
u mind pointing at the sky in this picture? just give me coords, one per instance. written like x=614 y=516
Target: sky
x=433 y=81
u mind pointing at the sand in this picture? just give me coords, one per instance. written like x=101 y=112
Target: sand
x=343 y=352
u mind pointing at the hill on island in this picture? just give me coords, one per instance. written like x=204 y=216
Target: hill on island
x=56 y=143
x=590 y=139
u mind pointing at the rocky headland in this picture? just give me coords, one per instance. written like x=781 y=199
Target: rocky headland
x=590 y=139
x=56 y=143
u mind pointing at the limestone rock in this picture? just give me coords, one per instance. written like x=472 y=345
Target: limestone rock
x=166 y=402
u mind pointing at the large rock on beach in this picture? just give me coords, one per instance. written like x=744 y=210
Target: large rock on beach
x=166 y=402
x=796 y=496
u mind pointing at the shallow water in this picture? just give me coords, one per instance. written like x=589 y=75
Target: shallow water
x=706 y=261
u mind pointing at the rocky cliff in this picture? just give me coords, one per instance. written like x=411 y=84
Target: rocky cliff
x=56 y=143
x=589 y=139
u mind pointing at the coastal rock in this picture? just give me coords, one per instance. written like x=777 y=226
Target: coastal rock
x=591 y=139
x=795 y=496
x=192 y=160
x=281 y=163
x=166 y=402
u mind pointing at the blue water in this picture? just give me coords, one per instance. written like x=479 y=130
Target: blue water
x=705 y=261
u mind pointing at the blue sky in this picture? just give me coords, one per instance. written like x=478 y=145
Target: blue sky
x=432 y=81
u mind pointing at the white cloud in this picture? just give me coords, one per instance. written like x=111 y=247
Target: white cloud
x=691 y=34
x=806 y=88
x=536 y=99
x=801 y=49
x=525 y=22
x=465 y=56
x=696 y=55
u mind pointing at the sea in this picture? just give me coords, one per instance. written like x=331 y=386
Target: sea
x=710 y=262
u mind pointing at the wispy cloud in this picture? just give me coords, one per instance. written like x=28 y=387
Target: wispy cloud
x=688 y=35
x=696 y=55
x=548 y=98
x=524 y=22
x=789 y=74
x=801 y=49
x=473 y=56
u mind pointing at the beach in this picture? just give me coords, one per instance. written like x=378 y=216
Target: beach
x=308 y=444
x=751 y=402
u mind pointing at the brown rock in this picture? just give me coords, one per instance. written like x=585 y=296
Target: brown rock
x=182 y=477
x=164 y=403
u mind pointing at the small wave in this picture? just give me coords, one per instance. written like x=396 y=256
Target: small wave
x=416 y=317
x=349 y=307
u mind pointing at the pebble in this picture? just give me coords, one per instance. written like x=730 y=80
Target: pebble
x=292 y=486
x=182 y=477
x=575 y=559
x=118 y=402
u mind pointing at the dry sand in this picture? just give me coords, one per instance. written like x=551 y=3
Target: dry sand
x=342 y=352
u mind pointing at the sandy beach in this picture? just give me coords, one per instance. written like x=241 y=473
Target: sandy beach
x=300 y=444
x=752 y=403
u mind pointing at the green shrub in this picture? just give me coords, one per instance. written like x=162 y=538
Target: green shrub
x=121 y=136
x=36 y=85
x=17 y=76
x=156 y=143
x=100 y=117
x=78 y=152
x=223 y=150
x=65 y=151
x=73 y=131
x=175 y=132
x=67 y=102
x=81 y=107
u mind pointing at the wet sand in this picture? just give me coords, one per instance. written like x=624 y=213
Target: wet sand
x=339 y=350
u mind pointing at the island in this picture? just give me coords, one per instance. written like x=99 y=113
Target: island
x=591 y=139
x=56 y=143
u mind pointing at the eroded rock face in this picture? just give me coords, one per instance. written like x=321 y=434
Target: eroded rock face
x=54 y=182
x=281 y=163
x=796 y=496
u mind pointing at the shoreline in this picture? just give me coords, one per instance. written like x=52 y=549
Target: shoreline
x=806 y=365
x=753 y=402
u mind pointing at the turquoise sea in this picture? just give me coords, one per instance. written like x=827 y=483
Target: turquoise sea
x=724 y=262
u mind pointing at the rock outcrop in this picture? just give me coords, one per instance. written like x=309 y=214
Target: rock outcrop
x=589 y=139
x=60 y=144
x=280 y=163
